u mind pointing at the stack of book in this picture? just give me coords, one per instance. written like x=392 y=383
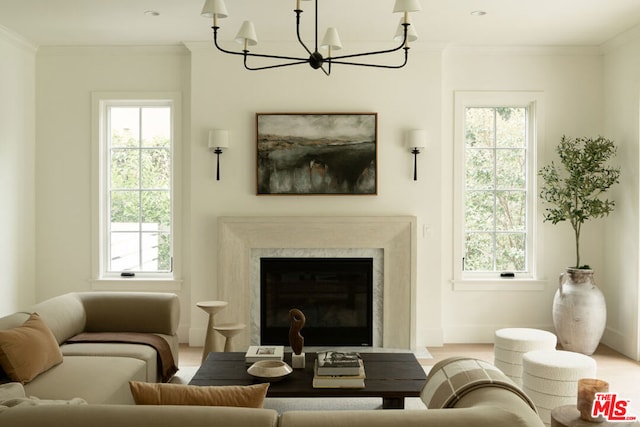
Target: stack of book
x=335 y=369
x=264 y=352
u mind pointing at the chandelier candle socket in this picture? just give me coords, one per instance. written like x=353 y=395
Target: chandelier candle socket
x=247 y=37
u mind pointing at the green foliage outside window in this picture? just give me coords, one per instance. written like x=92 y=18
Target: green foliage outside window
x=495 y=215
x=140 y=188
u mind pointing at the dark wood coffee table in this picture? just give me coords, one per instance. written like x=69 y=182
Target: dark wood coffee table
x=391 y=376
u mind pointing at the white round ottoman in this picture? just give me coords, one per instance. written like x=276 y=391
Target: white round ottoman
x=550 y=378
x=512 y=343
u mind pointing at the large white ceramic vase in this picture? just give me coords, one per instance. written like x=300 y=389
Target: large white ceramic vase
x=579 y=311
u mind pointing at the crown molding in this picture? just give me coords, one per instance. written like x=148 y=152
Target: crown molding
x=622 y=39
x=17 y=40
x=524 y=50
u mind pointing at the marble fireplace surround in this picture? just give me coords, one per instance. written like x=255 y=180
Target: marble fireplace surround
x=395 y=235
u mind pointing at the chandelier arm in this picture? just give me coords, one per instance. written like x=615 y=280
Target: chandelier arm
x=316 y=2
x=271 y=66
x=298 y=12
x=406 y=58
x=246 y=53
x=378 y=52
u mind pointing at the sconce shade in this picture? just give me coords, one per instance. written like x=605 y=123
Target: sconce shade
x=416 y=138
x=218 y=138
x=213 y=8
x=407 y=6
x=247 y=33
x=331 y=39
x=412 y=35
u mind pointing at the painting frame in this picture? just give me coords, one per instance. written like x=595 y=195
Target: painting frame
x=317 y=154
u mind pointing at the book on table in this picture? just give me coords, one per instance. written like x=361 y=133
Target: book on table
x=339 y=381
x=338 y=363
x=256 y=353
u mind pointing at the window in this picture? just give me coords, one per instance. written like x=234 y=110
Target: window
x=495 y=174
x=136 y=180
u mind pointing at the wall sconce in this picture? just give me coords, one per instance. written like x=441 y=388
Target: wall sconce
x=416 y=140
x=218 y=139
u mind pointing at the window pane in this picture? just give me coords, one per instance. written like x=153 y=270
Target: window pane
x=139 y=179
x=156 y=210
x=495 y=188
x=124 y=168
x=156 y=249
x=479 y=127
x=511 y=210
x=125 y=207
x=125 y=249
x=510 y=252
x=156 y=127
x=156 y=168
x=511 y=127
x=479 y=213
x=510 y=170
x=124 y=126
x=479 y=254
x=480 y=168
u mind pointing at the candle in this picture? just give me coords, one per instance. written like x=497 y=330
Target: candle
x=587 y=389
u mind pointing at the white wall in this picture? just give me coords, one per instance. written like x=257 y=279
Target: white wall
x=65 y=78
x=621 y=286
x=226 y=96
x=218 y=93
x=570 y=82
x=17 y=171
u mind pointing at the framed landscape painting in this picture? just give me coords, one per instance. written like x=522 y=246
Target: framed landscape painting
x=327 y=153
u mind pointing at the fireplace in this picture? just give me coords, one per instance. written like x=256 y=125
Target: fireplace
x=335 y=294
x=392 y=239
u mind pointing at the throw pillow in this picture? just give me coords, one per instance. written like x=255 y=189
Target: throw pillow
x=251 y=396
x=28 y=350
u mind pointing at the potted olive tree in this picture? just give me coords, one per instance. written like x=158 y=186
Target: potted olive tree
x=575 y=192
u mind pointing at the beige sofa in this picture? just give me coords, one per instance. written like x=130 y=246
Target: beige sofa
x=483 y=396
x=487 y=406
x=99 y=372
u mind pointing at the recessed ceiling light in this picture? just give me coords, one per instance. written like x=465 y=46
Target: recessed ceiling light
x=151 y=13
x=478 y=13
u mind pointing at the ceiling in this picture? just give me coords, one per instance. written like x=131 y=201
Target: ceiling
x=506 y=23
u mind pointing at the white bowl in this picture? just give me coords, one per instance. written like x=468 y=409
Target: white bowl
x=269 y=370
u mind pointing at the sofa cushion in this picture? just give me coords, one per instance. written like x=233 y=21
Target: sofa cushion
x=28 y=350
x=11 y=391
x=137 y=351
x=251 y=396
x=137 y=416
x=95 y=379
x=63 y=314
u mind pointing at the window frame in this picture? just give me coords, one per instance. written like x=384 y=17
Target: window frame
x=101 y=101
x=533 y=102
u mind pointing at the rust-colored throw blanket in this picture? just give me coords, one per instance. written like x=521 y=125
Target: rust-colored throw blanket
x=165 y=357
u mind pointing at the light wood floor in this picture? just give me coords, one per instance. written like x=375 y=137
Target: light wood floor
x=622 y=373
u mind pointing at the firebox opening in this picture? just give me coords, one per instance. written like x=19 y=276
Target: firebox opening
x=335 y=294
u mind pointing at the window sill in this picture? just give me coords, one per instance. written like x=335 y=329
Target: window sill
x=136 y=284
x=499 y=285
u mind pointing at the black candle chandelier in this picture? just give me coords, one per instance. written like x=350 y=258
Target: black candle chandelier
x=247 y=37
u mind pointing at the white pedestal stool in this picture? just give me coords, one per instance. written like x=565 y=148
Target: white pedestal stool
x=229 y=330
x=550 y=378
x=211 y=307
x=512 y=343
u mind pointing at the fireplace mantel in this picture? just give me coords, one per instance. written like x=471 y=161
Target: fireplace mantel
x=395 y=235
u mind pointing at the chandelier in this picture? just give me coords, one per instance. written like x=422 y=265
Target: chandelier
x=331 y=42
